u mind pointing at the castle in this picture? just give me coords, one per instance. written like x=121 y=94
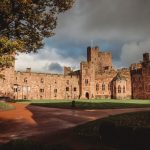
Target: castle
x=96 y=79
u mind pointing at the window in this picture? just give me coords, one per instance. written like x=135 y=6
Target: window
x=119 y=89
x=42 y=80
x=15 y=90
x=103 y=87
x=25 y=80
x=42 y=90
x=124 y=89
x=86 y=81
x=67 y=88
x=97 y=87
x=148 y=88
x=55 y=90
x=67 y=81
x=75 y=89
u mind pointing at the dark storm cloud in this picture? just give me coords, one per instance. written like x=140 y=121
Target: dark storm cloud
x=120 y=26
x=55 y=68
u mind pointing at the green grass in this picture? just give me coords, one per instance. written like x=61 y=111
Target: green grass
x=89 y=104
x=6 y=106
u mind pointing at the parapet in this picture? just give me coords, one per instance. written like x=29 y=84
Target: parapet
x=136 y=66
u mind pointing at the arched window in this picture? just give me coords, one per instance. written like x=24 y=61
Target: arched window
x=124 y=89
x=103 y=87
x=97 y=87
x=119 y=89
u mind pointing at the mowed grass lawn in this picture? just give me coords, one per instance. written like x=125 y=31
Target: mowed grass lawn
x=89 y=104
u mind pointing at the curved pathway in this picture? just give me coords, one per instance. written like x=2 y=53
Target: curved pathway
x=34 y=122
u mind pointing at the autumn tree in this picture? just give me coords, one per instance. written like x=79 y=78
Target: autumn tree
x=25 y=23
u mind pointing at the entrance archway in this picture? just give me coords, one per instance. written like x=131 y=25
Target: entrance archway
x=87 y=95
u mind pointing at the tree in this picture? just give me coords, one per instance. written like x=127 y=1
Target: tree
x=25 y=23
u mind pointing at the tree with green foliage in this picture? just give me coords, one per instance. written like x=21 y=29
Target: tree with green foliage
x=25 y=23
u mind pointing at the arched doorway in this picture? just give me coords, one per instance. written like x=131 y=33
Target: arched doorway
x=87 y=95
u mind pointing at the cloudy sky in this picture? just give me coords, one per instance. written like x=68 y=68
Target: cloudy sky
x=119 y=26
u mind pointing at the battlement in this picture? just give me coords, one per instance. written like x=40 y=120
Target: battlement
x=135 y=66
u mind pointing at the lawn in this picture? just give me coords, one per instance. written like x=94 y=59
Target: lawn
x=6 y=106
x=123 y=132
x=89 y=104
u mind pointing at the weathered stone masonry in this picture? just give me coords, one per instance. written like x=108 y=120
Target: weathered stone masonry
x=97 y=78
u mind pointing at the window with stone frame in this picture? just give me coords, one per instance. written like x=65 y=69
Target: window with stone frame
x=67 y=88
x=97 y=87
x=75 y=89
x=103 y=87
x=41 y=90
x=119 y=89
x=124 y=89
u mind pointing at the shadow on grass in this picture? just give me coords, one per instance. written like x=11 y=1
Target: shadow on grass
x=30 y=145
x=129 y=131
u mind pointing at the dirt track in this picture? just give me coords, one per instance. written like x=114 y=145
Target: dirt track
x=35 y=122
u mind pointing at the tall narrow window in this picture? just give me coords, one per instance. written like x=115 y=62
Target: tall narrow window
x=55 y=91
x=97 y=87
x=124 y=89
x=103 y=87
x=119 y=89
x=148 y=88
x=86 y=81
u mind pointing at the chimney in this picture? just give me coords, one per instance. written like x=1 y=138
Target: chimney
x=28 y=69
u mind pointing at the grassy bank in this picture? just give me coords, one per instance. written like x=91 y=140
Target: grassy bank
x=123 y=132
x=6 y=106
x=89 y=104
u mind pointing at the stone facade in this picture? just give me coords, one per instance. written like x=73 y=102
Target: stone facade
x=96 y=79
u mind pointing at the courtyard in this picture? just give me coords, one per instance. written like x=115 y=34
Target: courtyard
x=53 y=125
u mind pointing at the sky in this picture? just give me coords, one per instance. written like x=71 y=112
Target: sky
x=119 y=26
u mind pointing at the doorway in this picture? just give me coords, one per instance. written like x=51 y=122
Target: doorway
x=87 y=95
